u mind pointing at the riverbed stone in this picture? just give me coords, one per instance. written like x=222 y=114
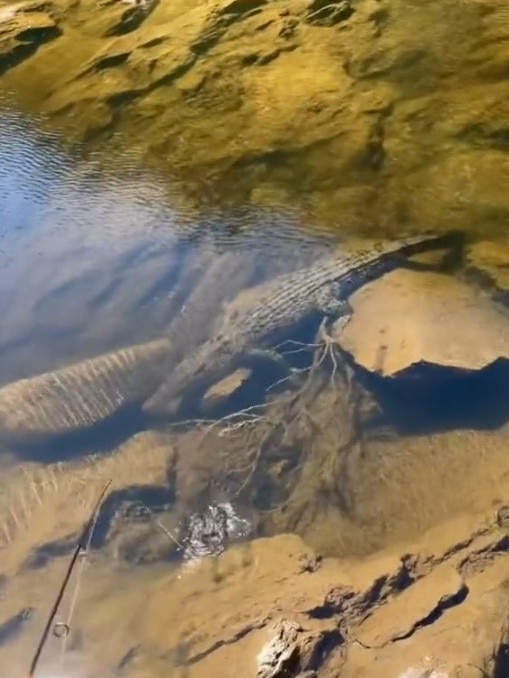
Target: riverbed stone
x=300 y=99
x=219 y=392
x=24 y=27
x=487 y=261
x=410 y=318
x=290 y=93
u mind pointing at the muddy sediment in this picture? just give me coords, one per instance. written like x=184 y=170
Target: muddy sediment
x=395 y=575
x=402 y=612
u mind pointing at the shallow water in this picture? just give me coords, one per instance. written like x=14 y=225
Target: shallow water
x=95 y=259
x=91 y=258
x=392 y=120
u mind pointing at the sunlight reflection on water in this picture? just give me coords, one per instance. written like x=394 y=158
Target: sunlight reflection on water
x=90 y=256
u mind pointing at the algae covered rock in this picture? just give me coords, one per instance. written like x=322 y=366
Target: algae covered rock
x=488 y=260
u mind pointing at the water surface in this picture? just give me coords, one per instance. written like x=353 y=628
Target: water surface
x=94 y=260
x=97 y=257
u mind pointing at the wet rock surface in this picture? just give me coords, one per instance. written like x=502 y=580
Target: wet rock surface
x=435 y=605
x=487 y=263
x=409 y=319
x=24 y=27
x=378 y=129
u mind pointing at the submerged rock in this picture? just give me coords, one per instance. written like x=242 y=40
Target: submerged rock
x=220 y=392
x=487 y=260
x=277 y=656
x=24 y=26
x=202 y=89
x=409 y=319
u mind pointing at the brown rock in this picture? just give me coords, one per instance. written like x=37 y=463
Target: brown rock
x=156 y=63
x=463 y=641
x=326 y=13
x=224 y=389
x=131 y=14
x=408 y=318
x=503 y=516
x=405 y=612
x=23 y=28
x=488 y=260
x=206 y=88
x=110 y=18
x=278 y=657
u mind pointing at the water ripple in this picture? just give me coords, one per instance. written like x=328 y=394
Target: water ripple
x=91 y=252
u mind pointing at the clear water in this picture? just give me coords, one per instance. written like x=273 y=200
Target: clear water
x=94 y=259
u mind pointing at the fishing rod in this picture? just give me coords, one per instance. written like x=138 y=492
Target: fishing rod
x=82 y=547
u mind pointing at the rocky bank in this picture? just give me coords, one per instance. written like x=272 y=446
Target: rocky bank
x=435 y=608
x=376 y=114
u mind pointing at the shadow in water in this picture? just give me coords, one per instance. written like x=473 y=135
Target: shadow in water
x=120 y=506
x=127 y=503
x=15 y=625
x=103 y=437
x=430 y=398
x=501 y=662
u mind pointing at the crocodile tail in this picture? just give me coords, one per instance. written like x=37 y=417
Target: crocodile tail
x=80 y=395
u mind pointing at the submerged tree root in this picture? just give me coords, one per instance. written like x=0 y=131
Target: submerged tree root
x=288 y=460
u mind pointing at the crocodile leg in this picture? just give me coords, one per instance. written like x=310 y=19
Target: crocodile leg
x=337 y=312
x=336 y=326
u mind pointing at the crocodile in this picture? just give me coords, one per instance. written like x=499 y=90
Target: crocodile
x=257 y=317
x=81 y=395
